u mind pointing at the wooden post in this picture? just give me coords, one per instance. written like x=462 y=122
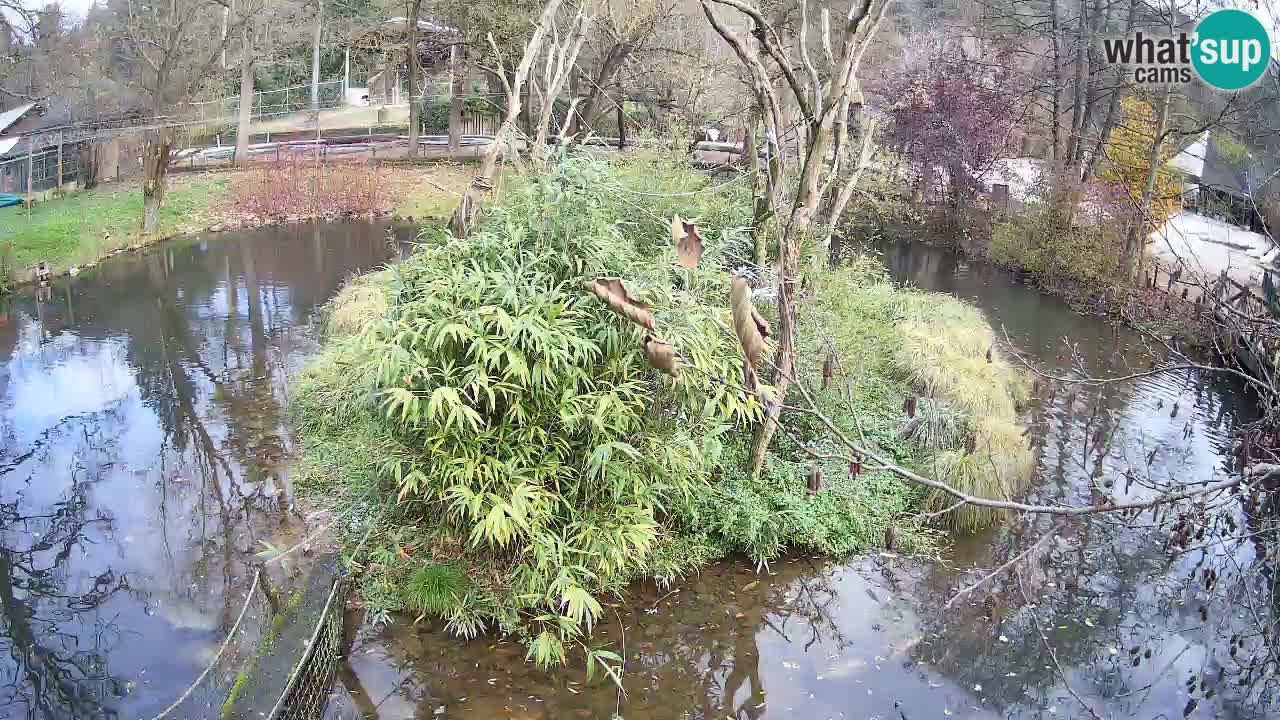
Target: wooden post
x=30 y=171
x=456 y=89
x=60 y=137
x=622 y=126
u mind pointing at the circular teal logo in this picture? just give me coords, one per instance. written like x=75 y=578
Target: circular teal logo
x=1232 y=49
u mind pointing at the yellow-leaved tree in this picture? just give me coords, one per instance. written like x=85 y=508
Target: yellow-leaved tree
x=1128 y=162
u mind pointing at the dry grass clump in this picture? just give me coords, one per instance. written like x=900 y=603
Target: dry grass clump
x=361 y=302
x=944 y=351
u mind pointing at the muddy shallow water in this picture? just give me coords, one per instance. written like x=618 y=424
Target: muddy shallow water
x=1101 y=619
x=142 y=411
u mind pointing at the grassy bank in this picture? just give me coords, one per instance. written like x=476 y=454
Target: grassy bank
x=86 y=226
x=523 y=460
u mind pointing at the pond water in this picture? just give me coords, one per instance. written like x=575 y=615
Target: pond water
x=145 y=457
x=142 y=416
x=1101 y=620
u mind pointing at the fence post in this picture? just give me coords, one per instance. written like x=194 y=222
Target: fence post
x=30 y=170
x=622 y=130
x=60 y=136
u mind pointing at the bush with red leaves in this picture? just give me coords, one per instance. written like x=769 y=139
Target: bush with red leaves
x=296 y=188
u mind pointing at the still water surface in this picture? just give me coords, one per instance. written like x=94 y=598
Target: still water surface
x=145 y=456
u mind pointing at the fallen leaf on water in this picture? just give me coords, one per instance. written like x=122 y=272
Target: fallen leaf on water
x=751 y=585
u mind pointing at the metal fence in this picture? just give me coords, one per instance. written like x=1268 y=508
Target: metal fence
x=42 y=168
x=308 y=691
x=269 y=103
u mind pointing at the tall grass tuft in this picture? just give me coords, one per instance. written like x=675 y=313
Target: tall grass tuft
x=942 y=350
x=436 y=588
x=360 y=303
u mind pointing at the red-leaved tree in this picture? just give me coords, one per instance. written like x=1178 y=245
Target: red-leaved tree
x=952 y=115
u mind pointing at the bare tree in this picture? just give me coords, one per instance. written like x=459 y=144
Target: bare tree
x=625 y=29
x=557 y=65
x=468 y=210
x=315 y=59
x=178 y=43
x=18 y=23
x=821 y=99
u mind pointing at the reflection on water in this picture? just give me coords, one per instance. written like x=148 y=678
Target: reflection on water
x=143 y=436
x=1102 y=615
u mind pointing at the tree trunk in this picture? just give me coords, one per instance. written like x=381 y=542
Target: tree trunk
x=526 y=116
x=759 y=189
x=608 y=70
x=571 y=121
x=846 y=192
x=415 y=103
x=1092 y=96
x=808 y=195
x=315 y=58
x=1079 y=88
x=246 y=105
x=1055 y=136
x=1135 y=243
x=468 y=210
x=155 y=171
x=1113 y=107
x=457 y=88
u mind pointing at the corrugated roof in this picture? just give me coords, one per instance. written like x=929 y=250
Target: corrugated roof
x=9 y=117
x=1191 y=160
x=1243 y=179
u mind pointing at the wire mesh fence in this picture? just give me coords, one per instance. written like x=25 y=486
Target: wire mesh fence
x=313 y=676
x=270 y=103
x=42 y=170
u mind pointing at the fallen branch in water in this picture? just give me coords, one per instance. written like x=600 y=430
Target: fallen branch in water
x=1052 y=533
x=1053 y=655
x=1068 y=510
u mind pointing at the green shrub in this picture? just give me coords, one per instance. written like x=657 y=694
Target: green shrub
x=530 y=462
x=526 y=420
x=433 y=116
x=1037 y=242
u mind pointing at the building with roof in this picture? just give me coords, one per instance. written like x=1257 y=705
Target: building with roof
x=1223 y=180
x=44 y=147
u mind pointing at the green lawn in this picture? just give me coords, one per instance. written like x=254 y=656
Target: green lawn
x=84 y=227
